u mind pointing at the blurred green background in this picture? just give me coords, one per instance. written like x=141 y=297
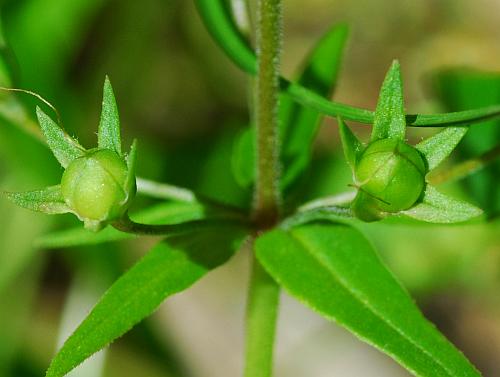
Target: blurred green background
x=186 y=103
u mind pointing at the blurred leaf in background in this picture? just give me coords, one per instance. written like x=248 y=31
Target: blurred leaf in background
x=464 y=89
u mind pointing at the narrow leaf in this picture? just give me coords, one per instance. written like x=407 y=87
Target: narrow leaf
x=438 y=147
x=165 y=213
x=440 y=208
x=334 y=270
x=170 y=267
x=333 y=213
x=48 y=200
x=218 y=22
x=389 y=121
x=351 y=145
x=64 y=147
x=108 y=136
x=300 y=124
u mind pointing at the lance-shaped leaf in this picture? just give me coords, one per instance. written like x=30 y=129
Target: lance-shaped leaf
x=334 y=270
x=63 y=146
x=350 y=144
x=300 y=124
x=439 y=208
x=170 y=267
x=48 y=200
x=390 y=121
x=225 y=32
x=108 y=136
x=438 y=147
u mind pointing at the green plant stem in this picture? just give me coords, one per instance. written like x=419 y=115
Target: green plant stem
x=465 y=168
x=267 y=192
x=126 y=225
x=263 y=295
x=262 y=312
x=219 y=23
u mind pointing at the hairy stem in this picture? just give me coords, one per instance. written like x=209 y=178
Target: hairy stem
x=263 y=296
x=223 y=30
x=267 y=193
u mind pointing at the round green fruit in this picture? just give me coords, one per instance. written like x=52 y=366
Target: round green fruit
x=95 y=187
x=390 y=175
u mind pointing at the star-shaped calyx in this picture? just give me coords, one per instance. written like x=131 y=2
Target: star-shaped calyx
x=98 y=184
x=390 y=175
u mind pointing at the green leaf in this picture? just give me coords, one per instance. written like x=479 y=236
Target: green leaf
x=48 y=200
x=63 y=146
x=300 y=124
x=165 y=213
x=350 y=144
x=463 y=89
x=243 y=157
x=333 y=213
x=170 y=267
x=38 y=40
x=8 y=66
x=438 y=147
x=389 y=121
x=440 y=208
x=131 y=163
x=108 y=136
x=334 y=270
x=224 y=31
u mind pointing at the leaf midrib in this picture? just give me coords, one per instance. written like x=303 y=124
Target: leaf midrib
x=100 y=323
x=353 y=293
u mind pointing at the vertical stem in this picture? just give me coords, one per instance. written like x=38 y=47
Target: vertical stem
x=267 y=191
x=262 y=312
x=263 y=297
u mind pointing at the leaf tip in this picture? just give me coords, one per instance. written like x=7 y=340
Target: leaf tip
x=394 y=72
x=40 y=114
x=107 y=87
x=395 y=64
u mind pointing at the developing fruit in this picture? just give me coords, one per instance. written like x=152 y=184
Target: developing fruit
x=95 y=187
x=390 y=176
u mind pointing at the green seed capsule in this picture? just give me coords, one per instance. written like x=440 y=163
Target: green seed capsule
x=391 y=177
x=94 y=187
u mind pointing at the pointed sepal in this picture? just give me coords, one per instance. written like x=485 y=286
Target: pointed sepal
x=437 y=207
x=64 y=147
x=390 y=121
x=436 y=148
x=48 y=200
x=130 y=183
x=350 y=144
x=108 y=136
